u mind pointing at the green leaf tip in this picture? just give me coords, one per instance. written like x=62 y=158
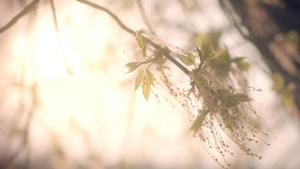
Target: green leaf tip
x=189 y=59
x=241 y=64
x=139 y=79
x=197 y=123
x=145 y=78
x=150 y=77
x=131 y=66
x=207 y=51
x=141 y=43
x=146 y=90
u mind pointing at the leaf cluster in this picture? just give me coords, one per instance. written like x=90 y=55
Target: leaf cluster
x=206 y=85
x=221 y=106
x=145 y=78
x=204 y=53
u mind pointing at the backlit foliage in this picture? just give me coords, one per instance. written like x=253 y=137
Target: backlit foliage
x=213 y=90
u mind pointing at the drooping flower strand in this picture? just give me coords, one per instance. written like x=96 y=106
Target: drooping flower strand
x=206 y=90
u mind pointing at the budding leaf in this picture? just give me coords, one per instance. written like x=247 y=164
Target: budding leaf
x=141 y=43
x=149 y=77
x=200 y=53
x=241 y=64
x=278 y=83
x=206 y=50
x=132 y=66
x=146 y=90
x=197 y=123
x=201 y=81
x=189 y=59
x=139 y=79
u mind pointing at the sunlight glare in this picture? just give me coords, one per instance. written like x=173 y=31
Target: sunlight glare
x=49 y=54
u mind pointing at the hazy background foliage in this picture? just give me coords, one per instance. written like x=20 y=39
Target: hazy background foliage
x=95 y=119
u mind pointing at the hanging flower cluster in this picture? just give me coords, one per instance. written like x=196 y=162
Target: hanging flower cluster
x=211 y=98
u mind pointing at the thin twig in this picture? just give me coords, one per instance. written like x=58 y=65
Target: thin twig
x=232 y=19
x=144 y=16
x=110 y=13
x=68 y=69
x=27 y=9
x=165 y=51
x=34 y=97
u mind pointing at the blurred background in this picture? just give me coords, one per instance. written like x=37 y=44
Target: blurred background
x=95 y=119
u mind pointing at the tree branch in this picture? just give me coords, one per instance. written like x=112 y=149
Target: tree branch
x=110 y=13
x=165 y=51
x=27 y=9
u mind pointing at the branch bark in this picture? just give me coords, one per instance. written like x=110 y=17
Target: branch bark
x=120 y=23
x=26 y=10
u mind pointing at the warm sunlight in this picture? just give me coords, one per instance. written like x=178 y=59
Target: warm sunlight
x=51 y=56
x=138 y=84
x=88 y=101
x=57 y=87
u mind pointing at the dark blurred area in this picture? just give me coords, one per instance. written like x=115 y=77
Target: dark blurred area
x=274 y=28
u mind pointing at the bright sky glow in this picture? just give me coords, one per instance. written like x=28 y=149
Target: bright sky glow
x=49 y=54
x=92 y=102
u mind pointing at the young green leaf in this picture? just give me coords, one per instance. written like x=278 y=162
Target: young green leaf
x=201 y=80
x=140 y=41
x=191 y=56
x=198 y=122
x=224 y=56
x=278 y=83
x=139 y=79
x=149 y=77
x=241 y=64
x=189 y=59
x=132 y=66
x=200 y=53
x=146 y=90
x=206 y=50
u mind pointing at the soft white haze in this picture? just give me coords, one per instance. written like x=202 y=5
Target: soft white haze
x=95 y=119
